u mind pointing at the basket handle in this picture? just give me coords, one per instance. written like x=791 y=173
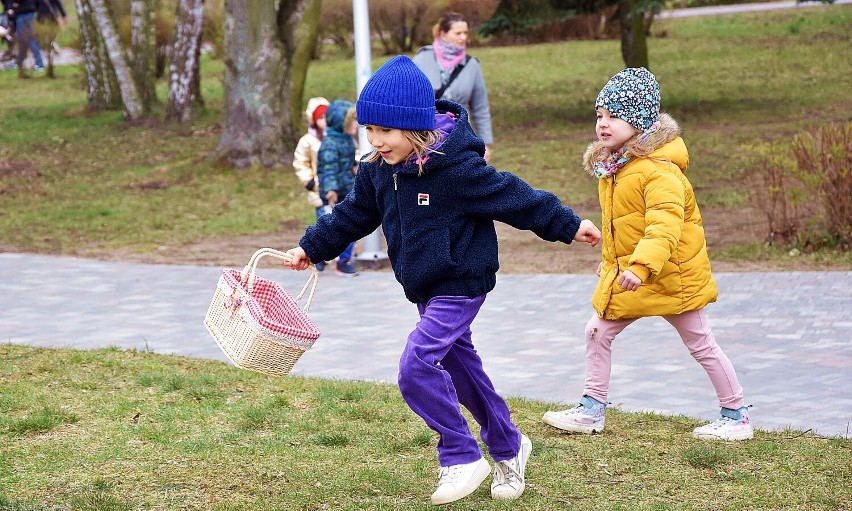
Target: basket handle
x=250 y=272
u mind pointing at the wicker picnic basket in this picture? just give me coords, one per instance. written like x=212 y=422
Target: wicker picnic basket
x=258 y=325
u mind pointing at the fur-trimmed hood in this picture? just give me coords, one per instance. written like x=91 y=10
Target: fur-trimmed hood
x=669 y=130
x=651 y=226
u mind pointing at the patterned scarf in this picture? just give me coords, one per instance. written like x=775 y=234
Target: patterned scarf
x=448 y=54
x=615 y=161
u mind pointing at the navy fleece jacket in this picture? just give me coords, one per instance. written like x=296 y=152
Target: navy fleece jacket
x=439 y=226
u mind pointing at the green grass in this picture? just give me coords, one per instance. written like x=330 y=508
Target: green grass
x=75 y=183
x=125 y=430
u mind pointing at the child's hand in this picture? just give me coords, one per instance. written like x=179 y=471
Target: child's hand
x=629 y=281
x=331 y=197
x=298 y=259
x=588 y=233
x=598 y=271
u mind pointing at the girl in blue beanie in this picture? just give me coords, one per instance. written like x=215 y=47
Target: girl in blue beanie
x=426 y=183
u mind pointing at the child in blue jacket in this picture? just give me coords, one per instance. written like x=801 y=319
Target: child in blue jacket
x=335 y=168
x=426 y=183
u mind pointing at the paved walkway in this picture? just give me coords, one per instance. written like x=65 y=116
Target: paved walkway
x=788 y=334
x=739 y=8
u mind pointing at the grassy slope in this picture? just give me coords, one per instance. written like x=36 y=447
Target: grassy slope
x=71 y=181
x=118 y=430
x=111 y=430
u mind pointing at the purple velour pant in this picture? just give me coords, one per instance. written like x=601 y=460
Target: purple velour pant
x=440 y=369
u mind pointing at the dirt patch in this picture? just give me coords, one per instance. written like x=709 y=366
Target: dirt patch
x=520 y=251
x=18 y=168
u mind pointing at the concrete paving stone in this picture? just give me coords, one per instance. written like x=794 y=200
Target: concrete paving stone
x=788 y=334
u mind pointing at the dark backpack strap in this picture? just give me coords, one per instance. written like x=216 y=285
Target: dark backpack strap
x=456 y=71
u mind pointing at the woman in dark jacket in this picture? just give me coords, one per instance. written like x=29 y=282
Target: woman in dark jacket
x=24 y=12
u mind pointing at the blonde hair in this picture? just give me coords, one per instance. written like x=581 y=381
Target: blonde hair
x=421 y=140
x=350 y=118
x=634 y=150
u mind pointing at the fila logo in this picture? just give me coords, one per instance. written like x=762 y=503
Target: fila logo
x=422 y=199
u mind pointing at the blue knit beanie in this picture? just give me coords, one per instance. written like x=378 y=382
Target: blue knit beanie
x=398 y=95
x=633 y=96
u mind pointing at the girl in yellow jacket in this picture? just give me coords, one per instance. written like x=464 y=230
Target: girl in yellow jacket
x=654 y=256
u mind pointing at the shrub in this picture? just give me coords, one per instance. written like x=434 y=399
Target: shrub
x=804 y=187
x=399 y=27
x=402 y=26
x=778 y=193
x=824 y=158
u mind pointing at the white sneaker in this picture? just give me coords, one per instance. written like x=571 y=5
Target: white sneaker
x=459 y=481
x=587 y=417
x=508 y=481
x=727 y=428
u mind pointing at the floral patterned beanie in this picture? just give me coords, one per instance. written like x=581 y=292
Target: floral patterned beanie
x=633 y=95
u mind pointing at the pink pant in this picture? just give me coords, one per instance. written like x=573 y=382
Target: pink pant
x=696 y=335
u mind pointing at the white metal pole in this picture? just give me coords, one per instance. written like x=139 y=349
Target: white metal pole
x=363 y=70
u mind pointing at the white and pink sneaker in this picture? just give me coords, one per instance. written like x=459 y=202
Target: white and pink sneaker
x=732 y=425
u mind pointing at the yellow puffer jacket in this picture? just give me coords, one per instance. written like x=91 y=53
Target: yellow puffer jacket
x=651 y=226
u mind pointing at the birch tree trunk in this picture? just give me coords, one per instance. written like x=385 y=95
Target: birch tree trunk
x=184 y=82
x=102 y=91
x=133 y=107
x=259 y=48
x=144 y=44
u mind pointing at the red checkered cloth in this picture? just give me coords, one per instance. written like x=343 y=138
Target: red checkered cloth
x=269 y=310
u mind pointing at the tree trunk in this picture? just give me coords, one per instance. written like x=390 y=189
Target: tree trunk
x=259 y=48
x=184 y=81
x=196 y=82
x=306 y=35
x=101 y=83
x=634 y=45
x=133 y=107
x=144 y=43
